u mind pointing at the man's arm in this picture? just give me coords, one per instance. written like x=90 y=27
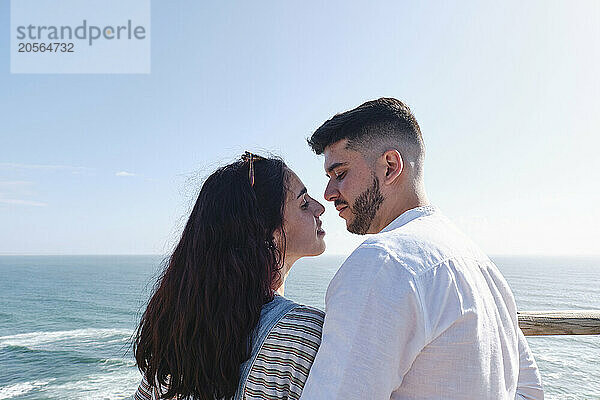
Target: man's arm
x=373 y=330
x=529 y=386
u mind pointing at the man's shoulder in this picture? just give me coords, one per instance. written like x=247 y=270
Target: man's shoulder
x=374 y=251
x=370 y=262
x=424 y=243
x=405 y=248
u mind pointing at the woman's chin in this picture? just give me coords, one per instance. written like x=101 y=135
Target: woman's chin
x=315 y=252
x=321 y=249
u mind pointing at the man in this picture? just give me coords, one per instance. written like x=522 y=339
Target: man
x=417 y=311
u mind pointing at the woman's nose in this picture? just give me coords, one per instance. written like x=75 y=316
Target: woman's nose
x=319 y=209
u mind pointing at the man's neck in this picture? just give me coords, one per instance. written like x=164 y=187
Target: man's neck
x=398 y=206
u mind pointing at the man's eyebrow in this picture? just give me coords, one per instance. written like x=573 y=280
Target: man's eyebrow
x=334 y=166
x=301 y=192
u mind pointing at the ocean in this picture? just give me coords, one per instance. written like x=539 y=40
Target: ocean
x=66 y=321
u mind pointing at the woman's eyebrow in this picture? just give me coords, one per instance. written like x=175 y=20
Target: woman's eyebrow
x=301 y=192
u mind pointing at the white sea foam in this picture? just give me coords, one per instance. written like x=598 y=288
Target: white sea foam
x=115 y=363
x=116 y=385
x=19 y=389
x=37 y=340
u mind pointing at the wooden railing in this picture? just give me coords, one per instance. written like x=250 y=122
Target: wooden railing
x=537 y=323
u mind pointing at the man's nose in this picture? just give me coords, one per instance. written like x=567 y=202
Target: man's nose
x=331 y=192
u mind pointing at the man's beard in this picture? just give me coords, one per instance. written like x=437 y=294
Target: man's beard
x=365 y=208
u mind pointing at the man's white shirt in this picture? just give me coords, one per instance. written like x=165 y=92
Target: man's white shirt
x=420 y=312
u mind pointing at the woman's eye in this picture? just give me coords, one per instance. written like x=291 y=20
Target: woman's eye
x=304 y=205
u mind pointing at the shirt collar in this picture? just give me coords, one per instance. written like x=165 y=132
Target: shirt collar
x=410 y=215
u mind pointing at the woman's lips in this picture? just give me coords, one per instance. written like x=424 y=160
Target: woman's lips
x=320 y=231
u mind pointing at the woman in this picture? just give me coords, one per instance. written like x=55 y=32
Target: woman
x=217 y=325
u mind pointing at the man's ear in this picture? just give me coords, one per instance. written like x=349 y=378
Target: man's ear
x=394 y=165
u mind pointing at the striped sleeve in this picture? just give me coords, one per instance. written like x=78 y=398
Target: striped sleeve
x=145 y=392
x=284 y=360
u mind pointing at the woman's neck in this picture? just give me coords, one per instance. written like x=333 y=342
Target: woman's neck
x=281 y=289
x=284 y=271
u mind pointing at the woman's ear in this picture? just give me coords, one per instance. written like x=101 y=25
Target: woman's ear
x=278 y=239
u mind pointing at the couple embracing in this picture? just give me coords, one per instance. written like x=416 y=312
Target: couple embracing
x=417 y=311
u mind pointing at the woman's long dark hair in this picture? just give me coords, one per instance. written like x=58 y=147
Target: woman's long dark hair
x=195 y=332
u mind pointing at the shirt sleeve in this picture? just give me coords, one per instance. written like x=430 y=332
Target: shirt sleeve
x=143 y=392
x=529 y=386
x=284 y=360
x=374 y=328
x=147 y=392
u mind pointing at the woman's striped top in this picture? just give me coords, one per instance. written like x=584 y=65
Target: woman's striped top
x=283 y=362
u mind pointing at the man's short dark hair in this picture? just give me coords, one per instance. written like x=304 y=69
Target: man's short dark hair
x=376 y=125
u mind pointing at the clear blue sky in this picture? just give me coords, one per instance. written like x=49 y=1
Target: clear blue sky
x=507 y=95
